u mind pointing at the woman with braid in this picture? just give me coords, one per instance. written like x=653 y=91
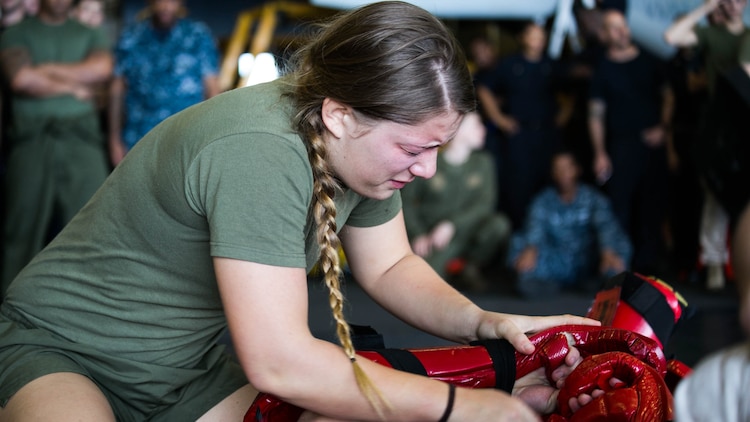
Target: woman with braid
x=212 y=222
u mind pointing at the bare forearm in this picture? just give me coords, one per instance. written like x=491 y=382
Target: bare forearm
x=432 y=305
x=491 y=105
x=596 y=126
x=682 y=32
x=211 y=86
x=322 y=380
x=33 y=83
x=115 y=109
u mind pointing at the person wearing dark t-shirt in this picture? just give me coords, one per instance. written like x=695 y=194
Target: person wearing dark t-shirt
x=630 y=108
x=520 y=99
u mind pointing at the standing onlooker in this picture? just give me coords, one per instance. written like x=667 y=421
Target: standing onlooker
x=520 y=99
x=165 y=63
x=92 y=13
x=485 y=57
x=630 y=111
x=724 y=376
x=57 y=157
x=571 y=239
x=11 y=12
x=452 y=215
x=687 y=77
x=719 y=43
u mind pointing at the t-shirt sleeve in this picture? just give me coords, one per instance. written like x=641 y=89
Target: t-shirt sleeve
x=254 y=191
x=12 y=37
x=100 y=40
x=701 y=34
x=372 y=212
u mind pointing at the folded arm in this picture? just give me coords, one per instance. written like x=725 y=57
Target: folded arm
x=53 y=79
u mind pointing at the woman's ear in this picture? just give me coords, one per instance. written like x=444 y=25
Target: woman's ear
x=337 y=117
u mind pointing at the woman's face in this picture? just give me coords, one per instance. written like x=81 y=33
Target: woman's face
x=377 y=159
x=534 y=39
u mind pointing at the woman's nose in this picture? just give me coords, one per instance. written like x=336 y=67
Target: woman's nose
x=426 y=165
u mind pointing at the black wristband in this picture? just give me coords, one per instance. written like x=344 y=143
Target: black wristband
x=449 y=406
x=503 y=356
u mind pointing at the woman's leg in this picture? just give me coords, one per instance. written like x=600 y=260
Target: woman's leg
x=59 y=397
x=232 y=408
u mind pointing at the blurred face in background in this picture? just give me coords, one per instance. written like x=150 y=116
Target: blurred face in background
x=565 y=172
x=31 y=7
x=534 y=40
x=471 y=133
x=90 y=12
x=166 y=12
x=10 y=5
x=55 y=10
x=731 y=9
x=483 y=53
x=616 y=30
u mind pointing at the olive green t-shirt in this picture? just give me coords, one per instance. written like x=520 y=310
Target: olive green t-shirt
x=132 y=273
x=66 y=43
x=720 y=49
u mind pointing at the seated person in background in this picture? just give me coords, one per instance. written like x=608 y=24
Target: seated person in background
x=452 y=215
x=571 y=238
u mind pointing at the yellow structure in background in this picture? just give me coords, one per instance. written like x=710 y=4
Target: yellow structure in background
x=255 y=32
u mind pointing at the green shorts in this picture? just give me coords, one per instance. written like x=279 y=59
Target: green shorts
x=136 y=391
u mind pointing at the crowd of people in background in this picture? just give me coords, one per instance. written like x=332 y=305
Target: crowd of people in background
x=641 y=128
x=600 y=146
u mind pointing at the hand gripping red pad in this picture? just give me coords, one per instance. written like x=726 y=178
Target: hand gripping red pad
x=473 y=366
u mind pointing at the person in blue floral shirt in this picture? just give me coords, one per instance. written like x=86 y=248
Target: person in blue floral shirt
x=165 y=63
x=571 y=238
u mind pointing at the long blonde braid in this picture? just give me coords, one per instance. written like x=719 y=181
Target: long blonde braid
x=324 y=212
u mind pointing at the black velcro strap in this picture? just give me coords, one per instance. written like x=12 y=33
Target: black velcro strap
x=403 y=360
x=503 y=357
x=648 y=301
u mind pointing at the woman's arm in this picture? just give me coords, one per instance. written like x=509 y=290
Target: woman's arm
x=382 y=262
x=266 y=308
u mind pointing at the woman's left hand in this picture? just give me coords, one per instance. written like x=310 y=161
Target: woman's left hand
x=515 y=328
